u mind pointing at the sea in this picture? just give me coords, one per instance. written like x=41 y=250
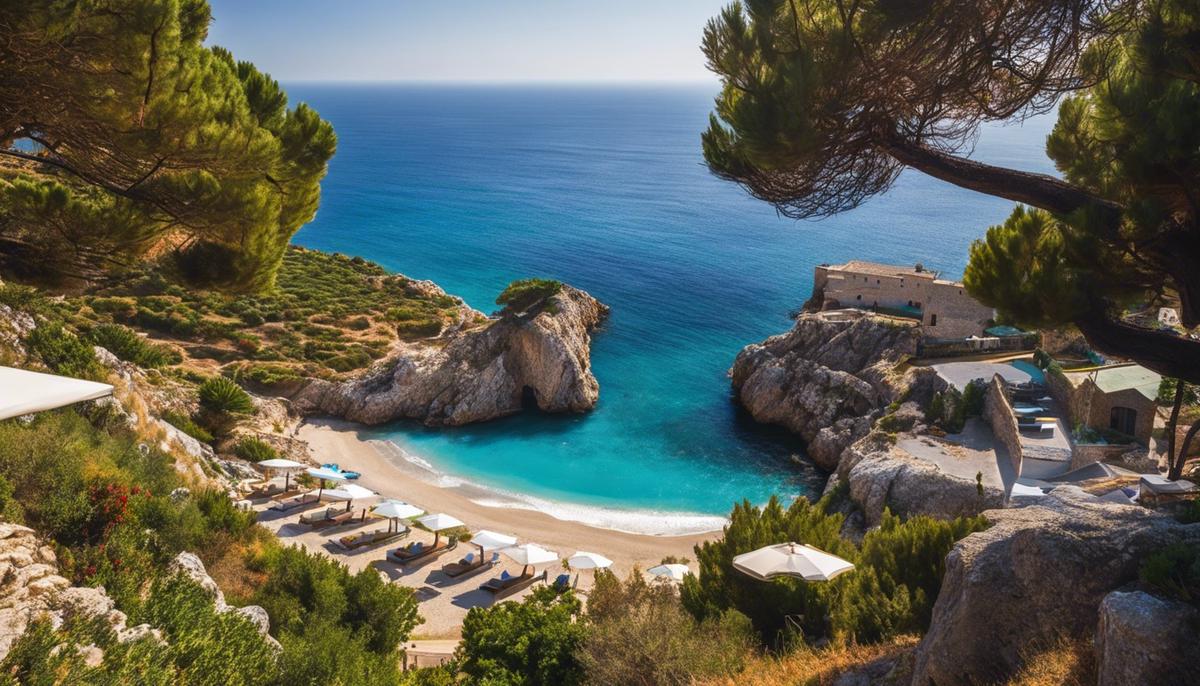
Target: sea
x=604 y=187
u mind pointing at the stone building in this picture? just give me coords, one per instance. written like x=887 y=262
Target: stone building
x=1119 y=397
x=943 y=307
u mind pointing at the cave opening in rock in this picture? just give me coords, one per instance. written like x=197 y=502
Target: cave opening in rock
x=529 y=399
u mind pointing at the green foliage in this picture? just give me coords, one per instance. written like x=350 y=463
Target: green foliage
x=523 y=294
x=219 y=394
x=303 y=589
x=185 y=139
x=215 y=648
x=127 y=345
x=255 y=450
x=187 y=425
x=326 y=653
x=1174 y=571
x=534 y=642
x=639 y=633
x=1166 y=392
x=898 y=570
x=64 y=352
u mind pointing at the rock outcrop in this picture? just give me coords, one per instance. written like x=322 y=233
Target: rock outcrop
x=543 y=357
x=1143 y=639
x=189 y=565
x=1038 y=575
x=881 y=475
x=31 y=588
x=827 y=379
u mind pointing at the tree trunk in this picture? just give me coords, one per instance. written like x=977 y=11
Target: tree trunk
x=1168 y=354
x=1187 y=444
x=1174 y=467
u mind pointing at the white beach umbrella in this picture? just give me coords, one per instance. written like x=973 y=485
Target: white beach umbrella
x=439 y=522
x=324 y=475
x=490 y=540
x=396 y=509
x=672 y=571
x=349 y=493
x=791 y=559
x=529 y=555
x=280 y=464
x=24 y=392
x=585 y=560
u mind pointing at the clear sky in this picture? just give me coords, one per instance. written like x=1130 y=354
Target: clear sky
x=467 y=40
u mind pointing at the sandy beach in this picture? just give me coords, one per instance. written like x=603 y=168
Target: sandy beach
x=445 y=601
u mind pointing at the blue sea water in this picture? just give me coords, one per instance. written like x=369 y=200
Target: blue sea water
x=604 y=188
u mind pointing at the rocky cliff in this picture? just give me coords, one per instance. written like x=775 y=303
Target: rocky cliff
x=827 y=379
x=540 y=356
x=1038 y=575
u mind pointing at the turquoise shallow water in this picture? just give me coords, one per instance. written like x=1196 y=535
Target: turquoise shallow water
x=604 y=187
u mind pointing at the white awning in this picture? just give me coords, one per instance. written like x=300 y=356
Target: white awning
x=24 y=392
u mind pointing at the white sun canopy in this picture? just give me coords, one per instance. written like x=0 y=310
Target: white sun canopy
x=490 y=540
x=530 y=554
x=24 y=392
x=396 y=509
x=439 y=521
x=349 y=492
x=586 y=560
x=281 y=464
x=325 y=474
x=791 y=559
x=673 y=571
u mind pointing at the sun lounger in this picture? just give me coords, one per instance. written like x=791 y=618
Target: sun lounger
x=505 y=585
x=332 y=515
x=471 y=563
x=294 y=502
x=419 y=551
x=366 y=538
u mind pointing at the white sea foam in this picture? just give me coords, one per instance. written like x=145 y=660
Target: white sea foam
x=650 y=522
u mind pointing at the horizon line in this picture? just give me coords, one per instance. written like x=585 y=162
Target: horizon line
x=507 y=82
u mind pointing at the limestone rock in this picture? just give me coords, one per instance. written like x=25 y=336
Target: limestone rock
x=192 y=567
x=477 y=374
x=880 y=475
x=1143 y=639
x=827 y=379
x=1037 y=575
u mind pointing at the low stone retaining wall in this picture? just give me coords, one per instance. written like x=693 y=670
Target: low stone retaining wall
x=1083 y=454
x=999 y=414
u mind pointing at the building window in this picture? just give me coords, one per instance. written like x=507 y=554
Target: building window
x=933 y=320
x=1123 y=419
x=858 y=297
x=876 y=281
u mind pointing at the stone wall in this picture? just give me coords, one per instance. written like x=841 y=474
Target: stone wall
x=1083 y=454
x=945 y=308
x=998 y=413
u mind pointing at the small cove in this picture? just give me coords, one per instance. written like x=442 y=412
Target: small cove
x=604 y=188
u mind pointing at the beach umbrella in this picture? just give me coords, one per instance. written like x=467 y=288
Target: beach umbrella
x=672 y=571
x=324 y=475
x=439 y=522
x=583 y=560
x=396 y=509
x=490 y=540
x=350 y=493
x=24 y=392
x=529 y=555
x=791 y=559
x=280 y=464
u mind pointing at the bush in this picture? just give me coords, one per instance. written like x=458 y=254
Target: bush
x=898 y=571
x=1174 y=571
x=534 y=642
x=187 y=425
x=222 y=395
x=303 y=589
x=255 y=450
x=127 y=345
x=64 y=352
x=521 y=295
x=640 y=634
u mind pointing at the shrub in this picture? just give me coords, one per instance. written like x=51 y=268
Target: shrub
x=640 y=634
x=1174 y=571
x=534 y=642
x=187 y=425
x=523 y=294
x=127 y=345
x=64 y=352
x=255 y=450
x=419 y=329
x=898 y=571
x=222 y=395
